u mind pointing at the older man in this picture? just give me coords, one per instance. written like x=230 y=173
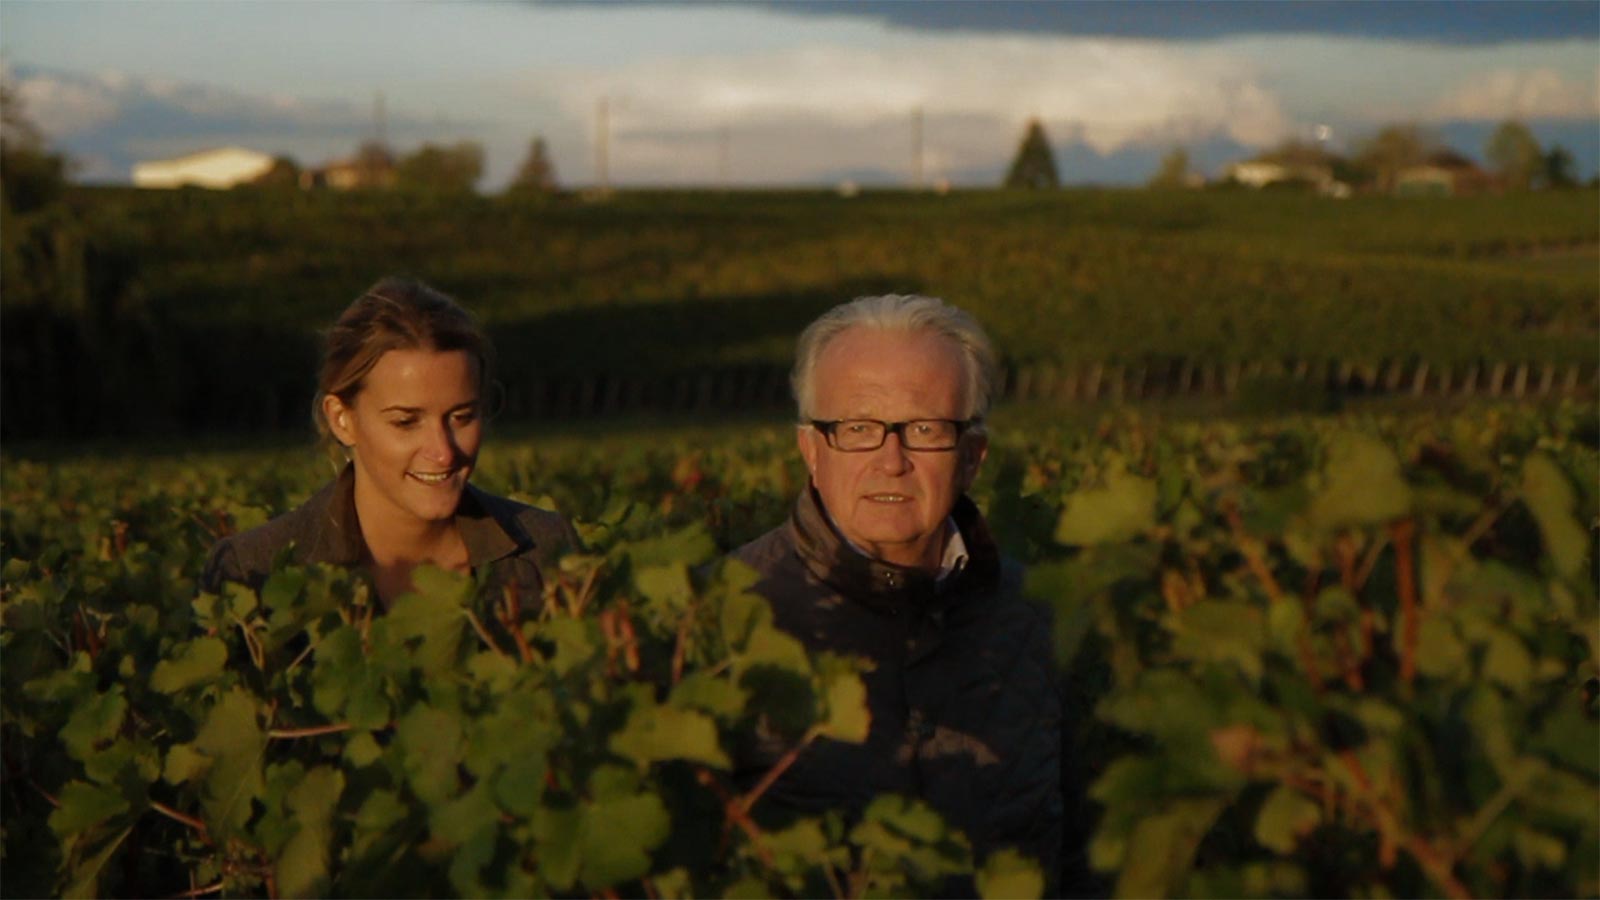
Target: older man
x=885 y=557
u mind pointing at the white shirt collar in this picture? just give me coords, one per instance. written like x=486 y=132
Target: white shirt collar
x=955 y=551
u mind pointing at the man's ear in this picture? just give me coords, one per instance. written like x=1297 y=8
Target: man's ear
x=807 y=437
x=337 y=415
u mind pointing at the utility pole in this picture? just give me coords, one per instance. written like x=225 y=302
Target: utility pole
x=602 y=173
x=723 y=140
x=916 y=147
x=380 y=119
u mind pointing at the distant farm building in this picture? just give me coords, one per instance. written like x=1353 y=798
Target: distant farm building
x=1444 y=174
x=373 y=166
x=224 y=167
x=1260 y=173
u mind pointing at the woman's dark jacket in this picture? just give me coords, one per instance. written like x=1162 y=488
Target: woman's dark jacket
x=965 y=704
x=509 y=538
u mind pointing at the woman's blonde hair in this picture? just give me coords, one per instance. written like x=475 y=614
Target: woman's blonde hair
x=394 y=314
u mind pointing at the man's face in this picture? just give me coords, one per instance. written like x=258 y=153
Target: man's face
x=891 y=502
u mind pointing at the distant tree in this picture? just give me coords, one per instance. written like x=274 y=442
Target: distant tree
x=1392 y=149
x=1515 y=155
x=285 y=173
x=1558 y=165
x=453 y=169
x=1034 y=166
x=537 y=174
x=31 y=176
x=1174 y=171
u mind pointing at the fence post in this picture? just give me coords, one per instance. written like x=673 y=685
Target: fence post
x=1419 y=380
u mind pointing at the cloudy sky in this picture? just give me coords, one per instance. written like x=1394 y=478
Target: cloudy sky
x=795 y=93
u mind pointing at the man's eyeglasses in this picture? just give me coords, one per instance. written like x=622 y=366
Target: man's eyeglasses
x=861 y=435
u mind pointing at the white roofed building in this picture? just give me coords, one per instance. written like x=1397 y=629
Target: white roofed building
x=224 y=167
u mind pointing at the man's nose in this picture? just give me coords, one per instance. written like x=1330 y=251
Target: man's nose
x=891 y=458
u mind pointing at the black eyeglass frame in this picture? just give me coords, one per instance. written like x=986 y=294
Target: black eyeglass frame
x=827 y=426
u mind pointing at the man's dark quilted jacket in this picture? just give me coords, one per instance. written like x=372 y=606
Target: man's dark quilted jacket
x=965 y=703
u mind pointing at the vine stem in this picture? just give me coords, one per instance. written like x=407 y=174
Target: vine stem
x=1436 y=863
x=1402 y=533
x=289 y=734
x=483 y=634
x=176 y=816
x=202 y=891
x=680 y=646
x=1258 y=568
x=736 y=816
x=776 y=772
x=511 y=618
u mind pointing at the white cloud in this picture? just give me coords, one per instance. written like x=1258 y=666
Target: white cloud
x=1521 y=93
x=61 y=107
x=1111 y=93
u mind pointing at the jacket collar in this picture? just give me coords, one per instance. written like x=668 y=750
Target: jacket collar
x=489 y=529
x=886 y=586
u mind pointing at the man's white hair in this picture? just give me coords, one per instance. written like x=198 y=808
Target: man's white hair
x=899 y=312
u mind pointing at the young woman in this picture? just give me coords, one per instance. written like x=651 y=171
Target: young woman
x=401 y=391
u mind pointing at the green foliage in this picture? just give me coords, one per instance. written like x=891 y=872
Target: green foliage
x=1035 y=164
x=447 y=170
x=1359 y=657
x=292 y=742
x=1515 y=154
x=1174 y=170
x=1316 y=656
x=216 y=298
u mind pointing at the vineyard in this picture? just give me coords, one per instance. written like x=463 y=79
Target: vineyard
x=1346 y=655
x=215 y=297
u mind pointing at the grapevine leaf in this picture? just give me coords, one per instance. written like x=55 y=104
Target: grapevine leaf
x=199 y=661
x=468 y=860
x=462 y=818
x=520 y=785
x=1440 y=653
x=93 y=722
x=233 y=738
x=618 y=834
x=86 y=874
x=1010 y=874
x=771 y=647
x=556 y=832
x=797 y=847
x=1285 y=817
x=1538 y=850
x=281 y=589
x=574 y=642
x=431 y=741
x=666 y=584
x=183 y=763
x=659 y=732
x=302 y=866
x=709 y=693
x=1161 y=847
x=1122 y=509
x=432 y=614
x=1508 y=662
x=1220 y=631
x=848 y=718
x=1360 y=484
x=1550 y=498
x=362 y=750
x=83 y=806
x=690 y=545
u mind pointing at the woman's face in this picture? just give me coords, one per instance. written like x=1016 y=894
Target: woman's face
x=413 y=431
